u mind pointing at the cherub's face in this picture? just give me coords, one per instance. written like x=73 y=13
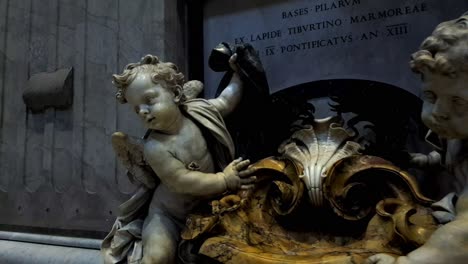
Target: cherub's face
x=445 y=107
x=153 y=102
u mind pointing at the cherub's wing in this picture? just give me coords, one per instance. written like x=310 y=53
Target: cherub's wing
x=192 y=89
x=130 y=153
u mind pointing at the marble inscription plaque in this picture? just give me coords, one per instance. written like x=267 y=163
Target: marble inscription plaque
x=309 y=40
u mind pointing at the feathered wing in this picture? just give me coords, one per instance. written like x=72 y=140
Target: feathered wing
x=130 y=153
x=192 y=89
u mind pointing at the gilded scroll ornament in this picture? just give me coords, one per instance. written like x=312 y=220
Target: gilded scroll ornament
x=359 y=206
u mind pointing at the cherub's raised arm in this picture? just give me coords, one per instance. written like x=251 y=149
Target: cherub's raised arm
x=178 y=178
x=230 y=97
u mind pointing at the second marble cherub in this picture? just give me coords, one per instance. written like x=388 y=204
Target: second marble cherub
x=442 y=62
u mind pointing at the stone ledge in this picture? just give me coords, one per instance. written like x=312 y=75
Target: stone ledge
x=65 y=241
x=12 y=252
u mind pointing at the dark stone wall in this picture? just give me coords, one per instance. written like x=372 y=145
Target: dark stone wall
x=58 y=172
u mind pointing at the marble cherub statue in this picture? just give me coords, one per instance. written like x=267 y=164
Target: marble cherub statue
x=189 y=149
x=442 y=62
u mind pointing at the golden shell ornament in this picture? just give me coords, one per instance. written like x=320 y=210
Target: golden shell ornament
x=316 y=148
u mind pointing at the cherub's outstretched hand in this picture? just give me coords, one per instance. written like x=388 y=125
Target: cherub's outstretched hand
x=238 y=174
x=423 y=161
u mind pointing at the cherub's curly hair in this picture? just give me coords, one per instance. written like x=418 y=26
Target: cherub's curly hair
x=165 y=71
x=445 y=51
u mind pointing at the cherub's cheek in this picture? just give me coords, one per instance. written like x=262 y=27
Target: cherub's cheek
x=427 y=121
x=461 y=123
x=426 y=115
x=426 y=110
x=154 y=109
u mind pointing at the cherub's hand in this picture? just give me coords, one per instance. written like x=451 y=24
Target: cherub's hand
x=233 y=63
x=238 y=175
x=418 y=159
x=422 y=161
x=381 y=259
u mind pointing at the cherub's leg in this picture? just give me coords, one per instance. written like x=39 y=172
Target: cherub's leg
x=160 y=235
